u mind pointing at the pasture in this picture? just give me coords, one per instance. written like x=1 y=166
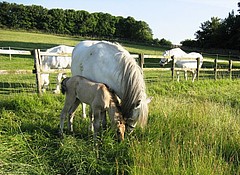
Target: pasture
x=193 y=128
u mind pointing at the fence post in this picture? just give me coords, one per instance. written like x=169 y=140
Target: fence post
x=141 y=56
x=37 y=70
x=173 y=67
x=198 y=67
x=10 y=55
x=230 y=69
x=215 y=68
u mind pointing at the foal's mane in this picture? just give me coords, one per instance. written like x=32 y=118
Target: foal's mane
x=114 y=99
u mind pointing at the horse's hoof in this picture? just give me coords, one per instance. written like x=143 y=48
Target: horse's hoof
x=56 y=91
x=60 y=134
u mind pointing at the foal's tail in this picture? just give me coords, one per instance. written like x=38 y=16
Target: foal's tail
x=64 y=85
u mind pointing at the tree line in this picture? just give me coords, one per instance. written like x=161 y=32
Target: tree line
x=218 y=33
x=214 y=33
x=75 y=22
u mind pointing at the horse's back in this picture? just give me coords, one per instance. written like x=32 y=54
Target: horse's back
x=58 y=61
x=98 y=61
x=190 y=61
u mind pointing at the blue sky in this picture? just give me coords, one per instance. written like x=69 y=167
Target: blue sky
x=174 y=20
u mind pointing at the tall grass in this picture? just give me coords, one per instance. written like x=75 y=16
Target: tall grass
x=191 y=130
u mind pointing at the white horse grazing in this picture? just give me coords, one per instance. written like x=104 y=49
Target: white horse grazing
x=55 y=62
x=183 y=60
x=111 y=64
x=81 y=90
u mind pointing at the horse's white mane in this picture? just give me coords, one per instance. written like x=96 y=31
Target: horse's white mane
x=133 y=83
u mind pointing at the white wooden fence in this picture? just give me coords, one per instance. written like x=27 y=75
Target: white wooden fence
x=141 y=58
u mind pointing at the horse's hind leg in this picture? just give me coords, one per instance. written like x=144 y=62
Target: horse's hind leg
x=194 y=74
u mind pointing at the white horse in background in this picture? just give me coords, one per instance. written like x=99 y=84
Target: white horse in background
x=111 y=64
x=188 y=61
x=101 y=99
x=55 y=62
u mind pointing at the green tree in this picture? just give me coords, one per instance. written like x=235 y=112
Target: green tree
x=72 y=22
x=206 y=35
x=142 y=32
x=105 y=25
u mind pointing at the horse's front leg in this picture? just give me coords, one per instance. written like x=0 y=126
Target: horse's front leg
x=59 y=78
x=84 y=110
x=185 y=75
x=44 y=81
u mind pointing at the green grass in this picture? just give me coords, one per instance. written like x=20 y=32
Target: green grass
x=23 y=39
x=193 y=128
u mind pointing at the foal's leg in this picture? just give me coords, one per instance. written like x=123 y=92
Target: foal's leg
x=69 y=103
x=96 y=123
x=71 y=113
x=91 y=118
x=63 y=114
x=104 y=120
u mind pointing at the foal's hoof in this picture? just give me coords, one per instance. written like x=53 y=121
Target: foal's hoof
x=84 y=116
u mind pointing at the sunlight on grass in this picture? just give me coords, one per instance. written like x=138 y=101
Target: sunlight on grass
x=193 y=128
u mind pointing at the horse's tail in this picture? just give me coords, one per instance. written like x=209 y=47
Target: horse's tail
x=64 y=85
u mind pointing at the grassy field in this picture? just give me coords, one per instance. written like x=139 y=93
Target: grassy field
x=193 y=128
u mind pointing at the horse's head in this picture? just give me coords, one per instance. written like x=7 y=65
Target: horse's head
x=138 y=115
x=167 y=58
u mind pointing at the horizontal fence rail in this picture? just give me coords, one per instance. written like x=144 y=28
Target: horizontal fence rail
x=5 y=72
x=141 y=58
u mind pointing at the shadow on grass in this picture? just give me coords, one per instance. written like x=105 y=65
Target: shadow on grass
x=26 y=45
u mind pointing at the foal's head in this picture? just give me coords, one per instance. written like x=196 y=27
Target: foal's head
x=120 y=130
x=116 y=116
x=64 y=85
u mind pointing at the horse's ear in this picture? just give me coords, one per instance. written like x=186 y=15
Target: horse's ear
x=149 y=99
